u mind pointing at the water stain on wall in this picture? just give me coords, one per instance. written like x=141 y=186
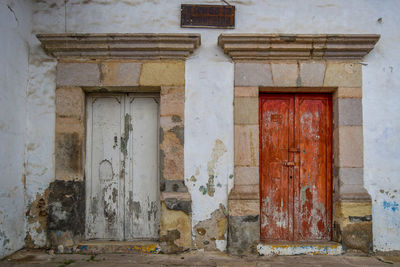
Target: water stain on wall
x=218 y=150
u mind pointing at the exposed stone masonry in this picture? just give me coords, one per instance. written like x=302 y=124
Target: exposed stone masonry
x=104 y=69
x=343 y=79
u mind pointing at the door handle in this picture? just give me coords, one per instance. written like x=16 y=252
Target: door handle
x=289 y=164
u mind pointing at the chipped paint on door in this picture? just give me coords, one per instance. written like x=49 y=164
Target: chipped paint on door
x=276 y=138
x=295 y=167
x=142 y=191
x=312 y=190
x=122 y=191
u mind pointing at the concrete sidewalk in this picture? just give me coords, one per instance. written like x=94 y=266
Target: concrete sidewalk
x=196 y=258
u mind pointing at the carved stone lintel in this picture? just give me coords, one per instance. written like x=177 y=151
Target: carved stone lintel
x=297 y=46
x=131 y=46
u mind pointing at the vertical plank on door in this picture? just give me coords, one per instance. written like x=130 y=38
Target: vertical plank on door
x=142 y=210
x=276 y=135
x=104 y=189
x=313 y=178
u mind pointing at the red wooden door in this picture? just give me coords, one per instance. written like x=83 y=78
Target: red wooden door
x=295 y=167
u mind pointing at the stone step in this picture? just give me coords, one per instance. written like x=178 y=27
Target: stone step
x=125 y=247
x=287 y=249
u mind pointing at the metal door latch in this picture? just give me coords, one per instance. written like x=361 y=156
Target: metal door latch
x=289 y=163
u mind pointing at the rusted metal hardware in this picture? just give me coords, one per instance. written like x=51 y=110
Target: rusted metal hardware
x=208 y=16
x=289 y=164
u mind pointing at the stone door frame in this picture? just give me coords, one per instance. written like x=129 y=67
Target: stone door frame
x=297 y=63
x=137 y=63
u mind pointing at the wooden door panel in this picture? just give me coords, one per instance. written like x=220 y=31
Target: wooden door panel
x=295 y=198
x=276 y=137
x=104 y=197
x=312 y=193
x=122 y=187
x=142 y=189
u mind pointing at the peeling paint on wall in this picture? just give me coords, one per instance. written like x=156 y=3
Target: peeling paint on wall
x=36 y=214
x=211 y=233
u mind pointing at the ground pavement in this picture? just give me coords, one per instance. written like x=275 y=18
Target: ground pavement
x=196 y=258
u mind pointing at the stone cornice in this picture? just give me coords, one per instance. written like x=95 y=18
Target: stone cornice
x=131 y=46
x=297 y=46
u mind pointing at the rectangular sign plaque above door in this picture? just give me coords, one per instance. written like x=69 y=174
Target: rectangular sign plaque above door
x=208 y=16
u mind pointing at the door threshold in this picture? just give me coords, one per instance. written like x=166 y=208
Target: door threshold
x=299 y=248
x=125 y=247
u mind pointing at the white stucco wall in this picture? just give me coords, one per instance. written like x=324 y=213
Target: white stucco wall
x=209 y=88
x=15 y=29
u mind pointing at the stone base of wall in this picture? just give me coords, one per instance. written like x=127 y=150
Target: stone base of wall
x=353 y=225
x=243 y=234
x=175 y=227
x=66 y=213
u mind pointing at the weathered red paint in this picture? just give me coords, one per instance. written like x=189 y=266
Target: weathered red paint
x=295 y=167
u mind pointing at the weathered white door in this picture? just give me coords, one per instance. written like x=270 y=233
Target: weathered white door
x=142 y=190
x=122 y=188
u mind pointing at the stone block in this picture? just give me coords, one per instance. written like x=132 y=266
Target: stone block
x=244 y=207
x=253 y=74
x=348 y=92
x=312 y=73
x=175 y=230
x=184 y=196
x=344 y=209
x=120 y=73
x=163 y=73
x=174 y=186
x=247 y=189
x=358 y=236
x=168 y=123
x=246 y=110
x=172 y=101
x=171 y=157
x=246 y=91
x=66 y=239
x=66 y=212
x=69 y=156
x=70 y=125
x=352 y=191
x=78 y=74
x=246 y=145
x=343 y=74
x=243 y=234
x=178 y=204
x=246 y=175
x=350 y=176
x=348 y=112
x=245 y=192
x=349 y=151
x=70 y=102
x=285 y=74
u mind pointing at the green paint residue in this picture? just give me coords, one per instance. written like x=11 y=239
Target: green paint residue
x=203 y=190
x=231 y=176
x=193 y=179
